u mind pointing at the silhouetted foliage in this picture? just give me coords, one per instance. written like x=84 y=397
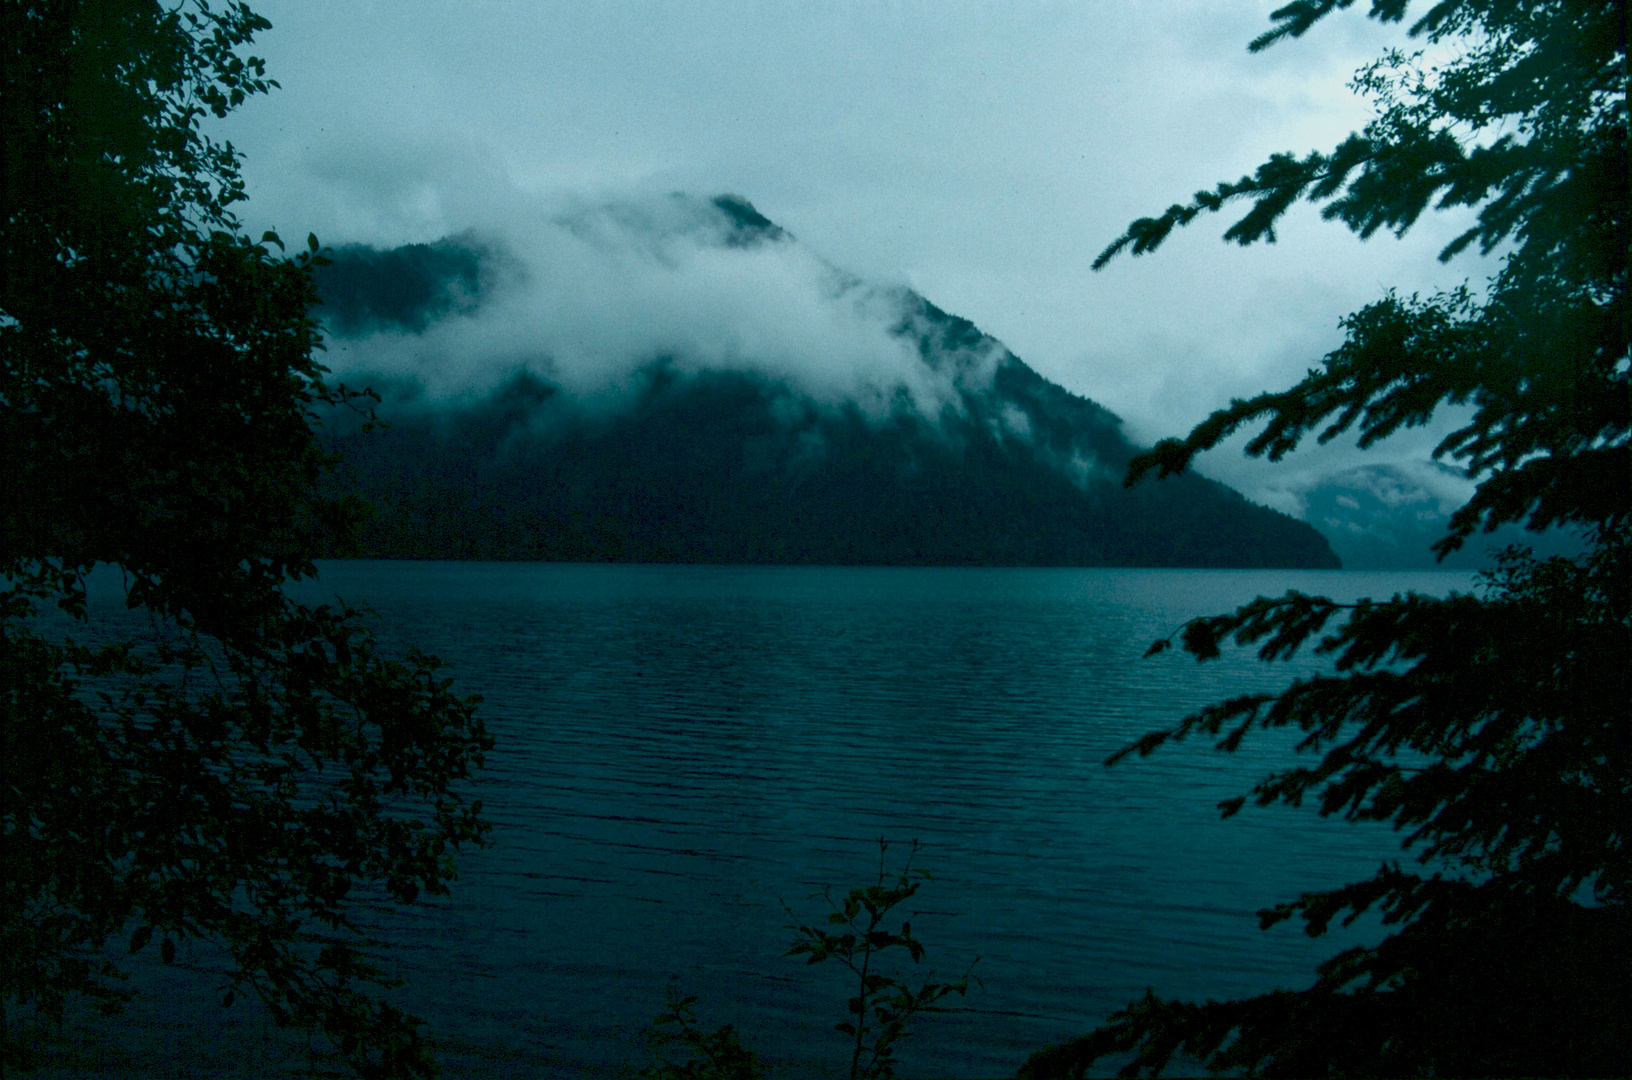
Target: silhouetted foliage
x=1491 y=729
x=857 y=934
x=221 y=763
x=709 y=1055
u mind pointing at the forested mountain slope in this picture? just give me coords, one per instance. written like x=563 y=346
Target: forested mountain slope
x=991 y=465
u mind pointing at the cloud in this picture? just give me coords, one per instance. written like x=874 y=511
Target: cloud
x=1395 y=471
x=589 y=295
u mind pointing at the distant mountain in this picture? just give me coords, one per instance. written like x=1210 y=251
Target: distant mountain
x=1388 y=517
x=723 y=465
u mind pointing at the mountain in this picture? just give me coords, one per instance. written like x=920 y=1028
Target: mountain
x=968 y=458
x=1387 y=517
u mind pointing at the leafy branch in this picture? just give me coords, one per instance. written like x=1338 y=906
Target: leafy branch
x=716 y=1055
x=882 y=1004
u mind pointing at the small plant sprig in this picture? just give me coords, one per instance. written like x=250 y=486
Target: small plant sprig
x=882 y=1005
x=719 y=1055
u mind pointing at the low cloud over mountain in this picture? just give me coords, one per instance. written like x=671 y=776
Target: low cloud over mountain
x=679 y=379
x=1389 y=516
x=588 y=297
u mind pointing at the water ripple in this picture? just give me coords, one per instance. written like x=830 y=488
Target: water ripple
x=681 y=750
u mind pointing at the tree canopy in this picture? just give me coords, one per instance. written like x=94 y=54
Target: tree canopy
x=1490 y=729
x=232 y=766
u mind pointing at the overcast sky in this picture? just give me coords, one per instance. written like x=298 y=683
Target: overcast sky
x=981 y=152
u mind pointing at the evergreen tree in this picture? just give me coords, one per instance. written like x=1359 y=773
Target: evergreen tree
x=229 y=766
x=1490 y=729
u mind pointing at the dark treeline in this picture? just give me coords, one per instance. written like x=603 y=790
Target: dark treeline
x=710 y=469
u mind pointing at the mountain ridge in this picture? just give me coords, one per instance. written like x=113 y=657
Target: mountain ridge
x=981 y=461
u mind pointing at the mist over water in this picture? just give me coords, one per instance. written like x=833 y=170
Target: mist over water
x=683 y=749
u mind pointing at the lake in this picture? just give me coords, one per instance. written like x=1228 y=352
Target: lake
x=684 y=749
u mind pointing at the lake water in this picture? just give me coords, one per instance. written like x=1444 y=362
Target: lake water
x=684 y=749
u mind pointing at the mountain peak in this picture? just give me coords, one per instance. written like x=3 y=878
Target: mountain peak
x=749 y=226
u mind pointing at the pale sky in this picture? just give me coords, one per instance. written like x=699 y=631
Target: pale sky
x=981 y=152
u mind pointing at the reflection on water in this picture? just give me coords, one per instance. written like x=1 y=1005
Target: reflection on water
x=682 y=749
